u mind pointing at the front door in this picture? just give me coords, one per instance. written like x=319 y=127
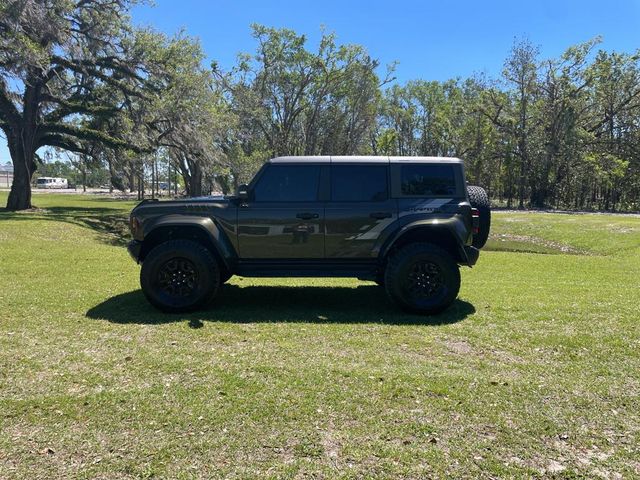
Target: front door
x=283 y=218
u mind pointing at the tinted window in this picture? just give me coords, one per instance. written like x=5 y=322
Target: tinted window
x=428 y=180
x=353 y=183
x=288 y=183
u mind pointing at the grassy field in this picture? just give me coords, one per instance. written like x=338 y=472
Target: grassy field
x=534 y=372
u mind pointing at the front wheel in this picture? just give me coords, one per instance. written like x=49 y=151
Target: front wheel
x=179 y=276
x=422 y=278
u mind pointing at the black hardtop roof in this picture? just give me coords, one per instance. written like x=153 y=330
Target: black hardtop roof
x=362 y=159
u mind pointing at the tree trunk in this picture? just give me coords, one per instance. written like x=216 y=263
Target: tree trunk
x=153 y=178
x=140 y=187
x=155 y=166
x=169 y=178
x=195 y=189
x=111 y=173
x=23 y=168
x=84 y=174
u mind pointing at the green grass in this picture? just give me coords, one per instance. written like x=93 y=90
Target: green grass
x=534 y=372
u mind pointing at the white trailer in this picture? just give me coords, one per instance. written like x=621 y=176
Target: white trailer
x=51 y=182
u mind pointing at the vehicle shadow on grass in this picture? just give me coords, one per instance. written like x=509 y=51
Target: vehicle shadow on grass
x=363 y=304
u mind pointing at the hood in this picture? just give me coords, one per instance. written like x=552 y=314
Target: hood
x=206 y=197
x=181 y=205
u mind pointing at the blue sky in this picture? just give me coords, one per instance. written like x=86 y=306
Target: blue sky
x=429 y=40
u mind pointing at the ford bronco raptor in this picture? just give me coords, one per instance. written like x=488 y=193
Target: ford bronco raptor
x=406 y=223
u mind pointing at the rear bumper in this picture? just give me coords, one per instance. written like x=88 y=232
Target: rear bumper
x=134 y=248
x=472 y=254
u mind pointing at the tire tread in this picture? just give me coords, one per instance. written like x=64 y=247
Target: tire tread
x=208 y=260
x=396 y=261
x=479 y=199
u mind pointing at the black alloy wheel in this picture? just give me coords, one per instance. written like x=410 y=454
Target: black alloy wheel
x=180 y=276
x=422 y=278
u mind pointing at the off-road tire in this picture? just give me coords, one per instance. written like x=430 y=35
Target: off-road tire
x=479 y=199
x=165 y=269
x=439 y=272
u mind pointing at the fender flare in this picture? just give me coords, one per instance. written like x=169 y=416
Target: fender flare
x=452 y=226
x=219 y=241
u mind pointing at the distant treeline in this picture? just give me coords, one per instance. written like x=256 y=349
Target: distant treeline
x=559 y=133
x=77 y=76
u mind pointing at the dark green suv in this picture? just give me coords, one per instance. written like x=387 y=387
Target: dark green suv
x=403 y=222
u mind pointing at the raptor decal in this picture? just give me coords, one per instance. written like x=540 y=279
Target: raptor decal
x=428 y=206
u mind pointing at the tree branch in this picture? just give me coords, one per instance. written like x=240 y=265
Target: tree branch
x=70 y=107
x=89 y=67
x=88 y=134
x=61 y=141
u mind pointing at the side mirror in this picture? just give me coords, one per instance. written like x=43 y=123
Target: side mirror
x=243 y=192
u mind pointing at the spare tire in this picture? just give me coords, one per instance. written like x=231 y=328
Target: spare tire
x=479 y=200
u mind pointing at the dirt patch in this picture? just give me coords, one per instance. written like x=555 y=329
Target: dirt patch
x=565 y=212
x=620 y=229
x=459 y=347
x=462 y=347
x=330 y=445
x=529 y=244
x=29 y=211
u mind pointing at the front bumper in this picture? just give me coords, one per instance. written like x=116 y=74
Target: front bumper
x=472 y=254
x=134 y=248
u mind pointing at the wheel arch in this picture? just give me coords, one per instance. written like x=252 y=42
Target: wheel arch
x=203 y=231
x=441 y=234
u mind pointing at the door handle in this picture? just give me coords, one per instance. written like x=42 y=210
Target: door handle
x=380 y=215
x=307 y=215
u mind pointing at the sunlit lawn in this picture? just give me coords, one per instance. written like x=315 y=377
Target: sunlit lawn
x=534 y=372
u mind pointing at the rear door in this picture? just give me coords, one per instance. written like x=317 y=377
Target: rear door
x=358 y=210
x=283 y=218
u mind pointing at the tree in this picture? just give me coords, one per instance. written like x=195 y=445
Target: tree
x=562 y=88
x=63 y=64
x=521 y=71
x=289 y=100
x=613 y=119
x=190 y=119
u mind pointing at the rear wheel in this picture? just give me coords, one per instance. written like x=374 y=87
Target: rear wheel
x=422 y=278
x=480 y=200
x=179 y=276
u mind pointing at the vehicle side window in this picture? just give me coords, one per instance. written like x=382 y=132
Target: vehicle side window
x=288 y=183
x=359 y=183
x=427 y=180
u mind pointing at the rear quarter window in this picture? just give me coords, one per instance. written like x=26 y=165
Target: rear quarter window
x=427 y=180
